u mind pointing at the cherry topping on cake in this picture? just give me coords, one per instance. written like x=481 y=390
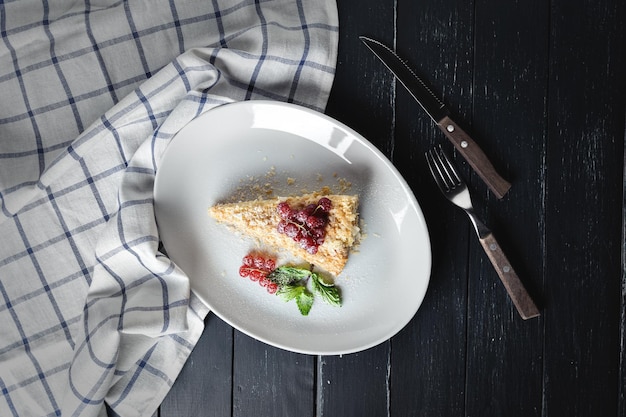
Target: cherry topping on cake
x=306 y=226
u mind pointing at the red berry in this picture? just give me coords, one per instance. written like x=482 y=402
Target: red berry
x=284 y=210
x=291 y=230
x=270 y=264
x=256 y=275
x=306 y=242
x=259 y=261
x=315 y=222
x=325 y=204
x=248 y=260
x=318 y=232
x=244 y=271
x=272 y=287
x=301 y=216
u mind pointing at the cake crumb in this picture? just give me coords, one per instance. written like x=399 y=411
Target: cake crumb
x=263 y=186
x=344 y=184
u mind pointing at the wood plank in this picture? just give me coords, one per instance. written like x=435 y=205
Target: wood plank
x=622 y=375
x=271 y=382
x=584 y=199
x=504 y=359
x=435 y=37
x=355 y=384
x=362 y=95
x=204 y=386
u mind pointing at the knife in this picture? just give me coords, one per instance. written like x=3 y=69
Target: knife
x=441 y=116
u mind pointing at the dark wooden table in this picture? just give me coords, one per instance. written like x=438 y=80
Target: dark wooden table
x=541 y=85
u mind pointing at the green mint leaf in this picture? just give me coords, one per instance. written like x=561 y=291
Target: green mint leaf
x=303 y=297
x=329 y=293
x=304 y=302
x=289 y=292
x=320 y=280
x=286 y=275
x=292 y=285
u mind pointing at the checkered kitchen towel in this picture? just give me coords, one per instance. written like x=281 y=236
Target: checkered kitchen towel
x=90 y=95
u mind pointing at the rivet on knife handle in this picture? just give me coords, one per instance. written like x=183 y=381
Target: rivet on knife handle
x=474 y=156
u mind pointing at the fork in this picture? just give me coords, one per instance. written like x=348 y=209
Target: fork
x=454 y=189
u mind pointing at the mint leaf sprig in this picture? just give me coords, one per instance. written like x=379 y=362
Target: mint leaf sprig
x=293 y=285
x=327 y=290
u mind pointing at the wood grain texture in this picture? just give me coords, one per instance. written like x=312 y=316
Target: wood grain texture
x=622 y=372
x=523 y=302
x=583 y=219
x=354 y=385
x=269 y=381
x=204 y=386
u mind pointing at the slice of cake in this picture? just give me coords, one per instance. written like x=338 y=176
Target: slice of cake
x=320 y=229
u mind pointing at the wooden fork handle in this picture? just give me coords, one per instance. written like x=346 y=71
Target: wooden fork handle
x=477 y=159
x=520 y=297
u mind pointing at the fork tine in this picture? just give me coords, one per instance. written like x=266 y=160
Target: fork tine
x=449 y=168
x=442 y=169
x=435 y=170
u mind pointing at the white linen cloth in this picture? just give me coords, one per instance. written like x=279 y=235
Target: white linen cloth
x=91 y=94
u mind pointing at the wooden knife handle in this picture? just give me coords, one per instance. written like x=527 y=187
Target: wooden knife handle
x=474 y=156
x=520 y=297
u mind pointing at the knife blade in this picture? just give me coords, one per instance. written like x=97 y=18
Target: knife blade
x=440 y=114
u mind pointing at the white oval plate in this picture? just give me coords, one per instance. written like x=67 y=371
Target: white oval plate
x=240 y=150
